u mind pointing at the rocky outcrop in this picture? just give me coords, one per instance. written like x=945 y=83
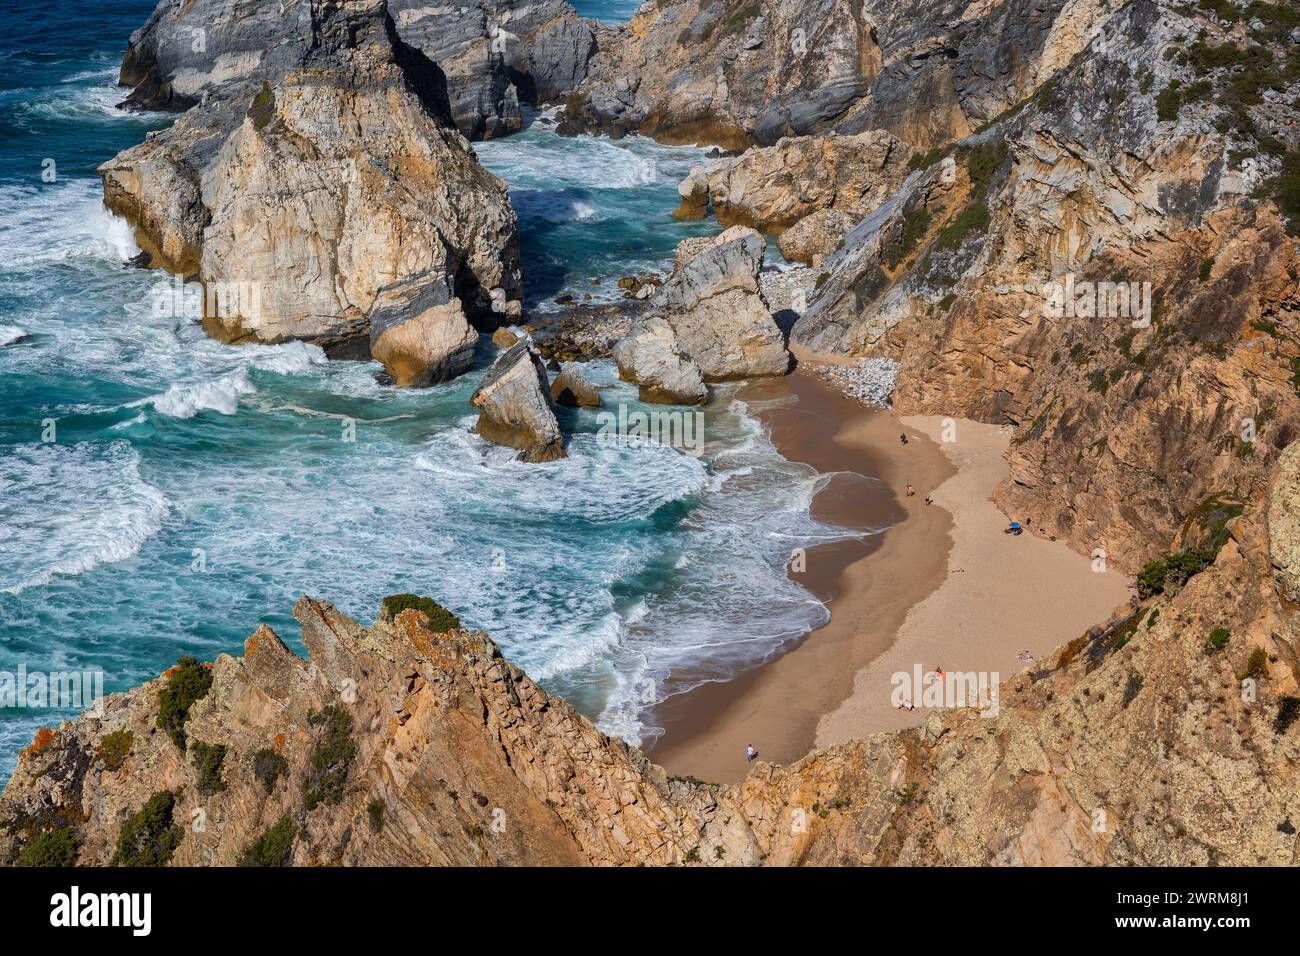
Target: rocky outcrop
x=514 y=408
x=777 y=188
x=708 y=321
x=735 y=73
x=1168 y=380
x=413 y=742
x=572 y=388
x=493 y=54
x=650 y=358
x=297 y=202
x=420 y=333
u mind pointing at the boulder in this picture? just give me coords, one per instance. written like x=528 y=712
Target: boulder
x=514 y=409
x=419 y=332
x=718 y=316
x=504 y=337
x=572 y=388
x=814 y=239
x=649 y=358
x=688 y=249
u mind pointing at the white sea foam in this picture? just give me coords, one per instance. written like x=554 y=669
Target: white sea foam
x=47 y=225
x=221 y=395
x=10 y=334
x=66 y=508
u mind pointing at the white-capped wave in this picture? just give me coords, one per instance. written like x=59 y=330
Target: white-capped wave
x=66 y=508
x=221 y=395
x=10 y=334
x=61 y=222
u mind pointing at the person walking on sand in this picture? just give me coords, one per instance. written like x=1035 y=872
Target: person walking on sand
x=910 y=492
x=750 y=753
x=902 y=439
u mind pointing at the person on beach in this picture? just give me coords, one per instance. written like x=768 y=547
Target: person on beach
x=929 y=500
x=910 y=492
x=750 y=753
x=902 y=439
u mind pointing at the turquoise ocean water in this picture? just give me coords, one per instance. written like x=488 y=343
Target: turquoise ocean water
x=195 y=490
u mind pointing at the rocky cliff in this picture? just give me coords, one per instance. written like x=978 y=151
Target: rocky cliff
x=738 y=73
x=1166 y=736
x=1109 y=266
x=303 y=197
x=494 y=54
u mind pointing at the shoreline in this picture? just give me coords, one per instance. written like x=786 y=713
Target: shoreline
x=943 y=586
x=867 y=584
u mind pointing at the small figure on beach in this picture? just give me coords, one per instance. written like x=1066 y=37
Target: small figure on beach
x=1025 y=657
x=750 y=753
x=1013 y=528
x=902 y=439
x=929 y=500
x=910 y=492
x=906 y=705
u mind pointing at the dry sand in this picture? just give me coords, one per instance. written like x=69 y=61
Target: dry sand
x=1003 y=594
x=943 y=587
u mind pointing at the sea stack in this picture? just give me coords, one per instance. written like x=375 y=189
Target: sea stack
x=514 y=408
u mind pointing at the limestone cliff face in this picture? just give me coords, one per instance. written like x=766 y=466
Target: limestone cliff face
x=298 y=200
x=1155 y=739
x=736 y=73
x=1126 y=168
x=494 y=54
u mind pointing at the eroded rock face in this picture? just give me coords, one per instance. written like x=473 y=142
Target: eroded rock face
x=446 y=739
x=298 y=201
x=699 y=71
x=1126 y=425
x=649 y=357
x=572 y=388
x=775 y=188
x=493 y=54
x=420 y=333
x=1284 y=525
x=514 y=408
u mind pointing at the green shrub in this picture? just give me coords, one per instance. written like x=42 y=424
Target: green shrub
x=114 y=748
x=262 y=109
x=1256 y=665
x=946 y=302
x=375 y=812
x=915 y=223
x=1168 y=102
x=208 y=759
x=1288 y=709
x=822 y=279
x=274 y=847
x=1217 y=640
x=331 y=758
x=57 y=847
x=189 y=681
x=268 y=767
x=150 y=838
x=440 y=619
x=1207 y=266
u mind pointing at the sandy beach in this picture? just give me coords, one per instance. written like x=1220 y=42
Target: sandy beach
x=942 y=587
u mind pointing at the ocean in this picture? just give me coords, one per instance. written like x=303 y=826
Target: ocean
x=162 y=494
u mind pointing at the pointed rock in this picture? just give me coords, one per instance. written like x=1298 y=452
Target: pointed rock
x=419 y=331
x=572 y=388
x=514 y=409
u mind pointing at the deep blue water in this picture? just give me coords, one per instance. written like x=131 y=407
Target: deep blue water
x=194 y=490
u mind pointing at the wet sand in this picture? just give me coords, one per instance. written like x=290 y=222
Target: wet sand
x=868 y=585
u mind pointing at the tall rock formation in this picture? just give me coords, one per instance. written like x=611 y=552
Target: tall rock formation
x=494 y=54
x=302 y=200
